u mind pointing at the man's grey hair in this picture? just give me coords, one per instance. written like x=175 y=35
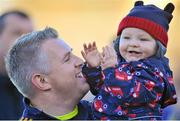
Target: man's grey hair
x=26 y=57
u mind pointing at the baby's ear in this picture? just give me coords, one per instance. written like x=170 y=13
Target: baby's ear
x=138 y=3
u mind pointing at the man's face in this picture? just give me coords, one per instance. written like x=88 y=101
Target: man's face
x=15 y=26
x=65 y=70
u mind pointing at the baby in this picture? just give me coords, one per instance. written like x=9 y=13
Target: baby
x=135 y=82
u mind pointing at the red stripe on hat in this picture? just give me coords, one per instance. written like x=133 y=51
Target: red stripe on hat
x=154 y=29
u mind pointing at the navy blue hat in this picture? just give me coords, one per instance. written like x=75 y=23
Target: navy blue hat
x=150 y=18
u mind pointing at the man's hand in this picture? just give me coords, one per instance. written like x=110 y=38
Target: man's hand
x=91 y=55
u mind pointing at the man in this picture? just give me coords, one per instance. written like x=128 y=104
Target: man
x=12 y=25
x=48 y=74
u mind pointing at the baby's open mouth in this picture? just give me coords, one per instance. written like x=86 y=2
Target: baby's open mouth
x=134 y=52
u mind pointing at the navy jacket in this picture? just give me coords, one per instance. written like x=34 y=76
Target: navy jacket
x=135 y=90
x=31 y=113
x=11 y=106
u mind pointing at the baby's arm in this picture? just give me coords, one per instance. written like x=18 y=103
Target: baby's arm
x=92 y=69
x=138 y=82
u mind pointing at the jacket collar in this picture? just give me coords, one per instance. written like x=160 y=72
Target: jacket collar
x=34 y=113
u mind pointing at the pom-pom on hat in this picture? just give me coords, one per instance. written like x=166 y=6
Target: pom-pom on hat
x=150 y=18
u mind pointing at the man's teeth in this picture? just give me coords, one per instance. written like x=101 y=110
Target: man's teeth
x=80 y=75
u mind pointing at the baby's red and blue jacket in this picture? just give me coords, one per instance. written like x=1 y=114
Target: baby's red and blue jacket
x=132 y=90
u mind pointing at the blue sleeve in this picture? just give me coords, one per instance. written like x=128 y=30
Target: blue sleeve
x=136 y=82
x=169 y=95
x=94 y=78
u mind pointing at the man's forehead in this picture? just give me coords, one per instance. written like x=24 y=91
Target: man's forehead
x=65 y=49
x=56 y=48
x=64 y=44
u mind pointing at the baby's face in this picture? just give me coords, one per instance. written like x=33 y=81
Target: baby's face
x=136 y=44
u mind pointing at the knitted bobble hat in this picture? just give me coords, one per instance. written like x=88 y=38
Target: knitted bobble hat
x=150 y=18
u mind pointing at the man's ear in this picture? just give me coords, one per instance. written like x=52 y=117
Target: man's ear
x=40 y=81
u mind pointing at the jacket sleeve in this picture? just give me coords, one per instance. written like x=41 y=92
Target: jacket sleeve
x=169 y=95
x=94 y=78
x=137 y=82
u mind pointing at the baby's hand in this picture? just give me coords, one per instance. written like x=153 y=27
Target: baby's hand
x=91 y=55
x=109 y=58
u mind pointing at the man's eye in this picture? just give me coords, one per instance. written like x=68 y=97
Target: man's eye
x=66 y=60
x=126 y=37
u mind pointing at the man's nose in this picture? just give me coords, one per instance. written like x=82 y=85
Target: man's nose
x=79 y=62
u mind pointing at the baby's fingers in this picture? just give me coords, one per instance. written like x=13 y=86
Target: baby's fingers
x=111 y=52
x=94 y=47
x=83 y=54
x=85 y=48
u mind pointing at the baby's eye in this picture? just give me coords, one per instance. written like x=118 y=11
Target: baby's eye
x=144 y=39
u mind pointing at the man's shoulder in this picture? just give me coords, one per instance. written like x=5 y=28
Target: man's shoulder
x=32 y=113
x=4 y=79
x=35 y=114
x=84 y=111
x=84 y=105
x=25 y=119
